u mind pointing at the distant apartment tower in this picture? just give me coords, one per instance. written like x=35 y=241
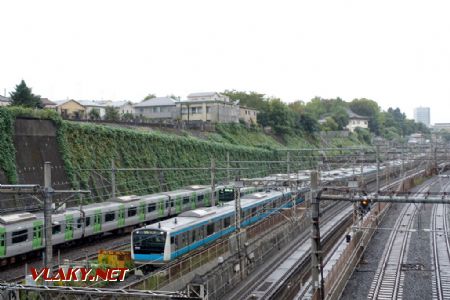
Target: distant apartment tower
x=422 y=115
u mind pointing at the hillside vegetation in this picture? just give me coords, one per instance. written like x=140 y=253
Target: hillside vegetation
x=88 y=151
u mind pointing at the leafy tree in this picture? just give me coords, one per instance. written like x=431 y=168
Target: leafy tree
x=111 y=114
x=94 y=114
x=363 y=135
x=330 y=125
x=278 y=116
x=149 y=96
x=368 y=108
x=340 y=116
x=250 y=99
x=23 y=96
x=307 y=123
x=127 y=116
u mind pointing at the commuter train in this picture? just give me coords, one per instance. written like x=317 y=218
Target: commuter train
x=164 y=241
x=22 y=235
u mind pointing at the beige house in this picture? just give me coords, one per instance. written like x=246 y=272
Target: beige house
x=209 y=107
x=71 y=109
x=248 y=115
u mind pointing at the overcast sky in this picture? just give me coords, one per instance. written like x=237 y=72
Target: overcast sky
x=394 y=52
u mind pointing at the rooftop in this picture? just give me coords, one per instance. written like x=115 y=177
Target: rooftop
x=158 y=101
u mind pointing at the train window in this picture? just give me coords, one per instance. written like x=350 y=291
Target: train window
x=172 y=240
x=19 y=236
x=172 y=203
x=151 y=207
x=56 y=229
x=210 y=229
x=132 y=211
x=253 y=211
x=193 y=235
x=227 y=222
x=200 y=198
x=167 y=203
x=110 y=216
x=79 y=223
x=185 y=200
x=88 y=221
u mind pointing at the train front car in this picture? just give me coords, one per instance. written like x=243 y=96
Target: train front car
x=150 y=246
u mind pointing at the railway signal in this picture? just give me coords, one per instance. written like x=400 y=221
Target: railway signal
x=364 y=205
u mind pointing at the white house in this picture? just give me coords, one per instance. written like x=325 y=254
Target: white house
x=355 y=121
x=4 y=101
x=91 y=105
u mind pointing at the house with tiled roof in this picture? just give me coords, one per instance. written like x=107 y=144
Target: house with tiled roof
x=355 y=121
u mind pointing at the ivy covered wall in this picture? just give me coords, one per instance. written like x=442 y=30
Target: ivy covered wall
x=89 y=149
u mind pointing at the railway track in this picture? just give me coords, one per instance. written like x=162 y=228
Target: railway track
x=441 y=251
x=389 y=278
x=267 y=281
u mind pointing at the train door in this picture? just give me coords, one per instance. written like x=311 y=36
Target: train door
x=193 y=200
x=141 y=212
x=207 y=199
x=121 y=216
x=2 y=242
x=161 y=208
x=68 y=234
x=178 y=203
x=98 y=221
x=37 y=234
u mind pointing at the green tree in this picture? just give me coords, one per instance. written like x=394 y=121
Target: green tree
x=307 y=123
x=368 y=108
x=127 y=116
x=249 y=99
x=340 y=116
x=111 y=114
x=94 y=114
x=23 y=96
x=149 y=96
x=330 y=125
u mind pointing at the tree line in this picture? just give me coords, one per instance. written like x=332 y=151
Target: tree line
x=284 y=118
x=333 y=114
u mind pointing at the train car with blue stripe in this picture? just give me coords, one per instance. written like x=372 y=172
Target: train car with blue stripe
x=162 y=242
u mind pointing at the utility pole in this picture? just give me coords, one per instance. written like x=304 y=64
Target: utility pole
x=228 y=167
x=48 y=190
x=113 y=179
x=213 y=184
x=378 y=168
x=316 y=256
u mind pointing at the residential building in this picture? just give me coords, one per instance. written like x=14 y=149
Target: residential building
x=416 y=138
x=47 y=103
x=209 y=107
x=71 y=109
x=248 y=115
x=122 y=107
x=157 y=108
x=208 y=96
x=4 y=101
x=91 y=105
x=441 y=126
x=422 y=115
x=355 y=121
